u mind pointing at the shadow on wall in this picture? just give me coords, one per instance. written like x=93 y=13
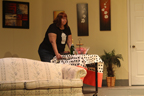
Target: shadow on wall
x=9 y=54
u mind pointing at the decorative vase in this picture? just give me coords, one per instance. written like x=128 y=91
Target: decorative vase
x=110 y=81
x=113 y=81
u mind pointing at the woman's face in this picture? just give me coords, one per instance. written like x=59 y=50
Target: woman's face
x=63 y=21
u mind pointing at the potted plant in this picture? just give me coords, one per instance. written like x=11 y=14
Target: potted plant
x=110 y=59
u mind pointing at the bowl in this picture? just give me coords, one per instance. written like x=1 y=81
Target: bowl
x=81 y=50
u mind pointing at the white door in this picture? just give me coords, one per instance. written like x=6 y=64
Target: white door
x=137 y=41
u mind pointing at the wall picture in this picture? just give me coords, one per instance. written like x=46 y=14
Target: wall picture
x=55 y=13
x=82 y=19
x=15 y=14
x=105 y=15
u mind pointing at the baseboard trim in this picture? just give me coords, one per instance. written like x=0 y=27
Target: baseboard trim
x=119 y=82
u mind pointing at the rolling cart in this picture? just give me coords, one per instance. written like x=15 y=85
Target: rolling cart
x=81 y=60
x=96 y=81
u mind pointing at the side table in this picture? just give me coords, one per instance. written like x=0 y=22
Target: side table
x=82 y=60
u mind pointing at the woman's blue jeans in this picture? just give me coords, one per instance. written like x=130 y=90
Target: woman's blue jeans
x=45 y=55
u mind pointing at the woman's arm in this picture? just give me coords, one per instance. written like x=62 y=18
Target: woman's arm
x=69 y=41
x=52 y=39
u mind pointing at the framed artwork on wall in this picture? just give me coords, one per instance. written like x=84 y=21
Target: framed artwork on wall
x=55 y=13
x=15 y=14
x=105 y=15
x=82 y=19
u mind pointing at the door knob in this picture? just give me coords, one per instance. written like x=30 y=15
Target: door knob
x=133 y=46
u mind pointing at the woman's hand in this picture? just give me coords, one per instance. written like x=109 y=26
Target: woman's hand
x=58 y=56
x=66 y=52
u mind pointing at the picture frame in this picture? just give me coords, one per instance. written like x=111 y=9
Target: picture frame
x=105 y=15
x=56 y=12
x=15 y=14
x=82 y=19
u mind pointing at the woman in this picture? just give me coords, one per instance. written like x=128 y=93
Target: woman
x=57 y=36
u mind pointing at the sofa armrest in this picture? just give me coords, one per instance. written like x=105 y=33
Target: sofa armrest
x=72 y=72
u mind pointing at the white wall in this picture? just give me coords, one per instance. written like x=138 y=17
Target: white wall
x=22 y=42
x=25 y=42
x=97 y=40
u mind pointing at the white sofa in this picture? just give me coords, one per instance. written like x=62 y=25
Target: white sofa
x=26 y=77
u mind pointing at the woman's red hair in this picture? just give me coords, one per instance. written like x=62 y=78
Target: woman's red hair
x=57 y=20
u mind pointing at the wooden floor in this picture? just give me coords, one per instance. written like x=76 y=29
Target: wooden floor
x=117 y=91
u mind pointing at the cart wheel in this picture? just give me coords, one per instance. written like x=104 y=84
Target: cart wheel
x=95 y=94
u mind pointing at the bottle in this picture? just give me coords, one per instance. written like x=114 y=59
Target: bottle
x=72 y=50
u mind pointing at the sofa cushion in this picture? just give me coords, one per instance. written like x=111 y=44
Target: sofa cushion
x=11 y=85
x=20 y=69
x=44 y=92
x=72 y=72
x=55 y=83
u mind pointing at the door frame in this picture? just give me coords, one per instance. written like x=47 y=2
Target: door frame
x=129 y=42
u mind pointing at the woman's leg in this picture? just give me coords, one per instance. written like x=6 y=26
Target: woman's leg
x=45 y=55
